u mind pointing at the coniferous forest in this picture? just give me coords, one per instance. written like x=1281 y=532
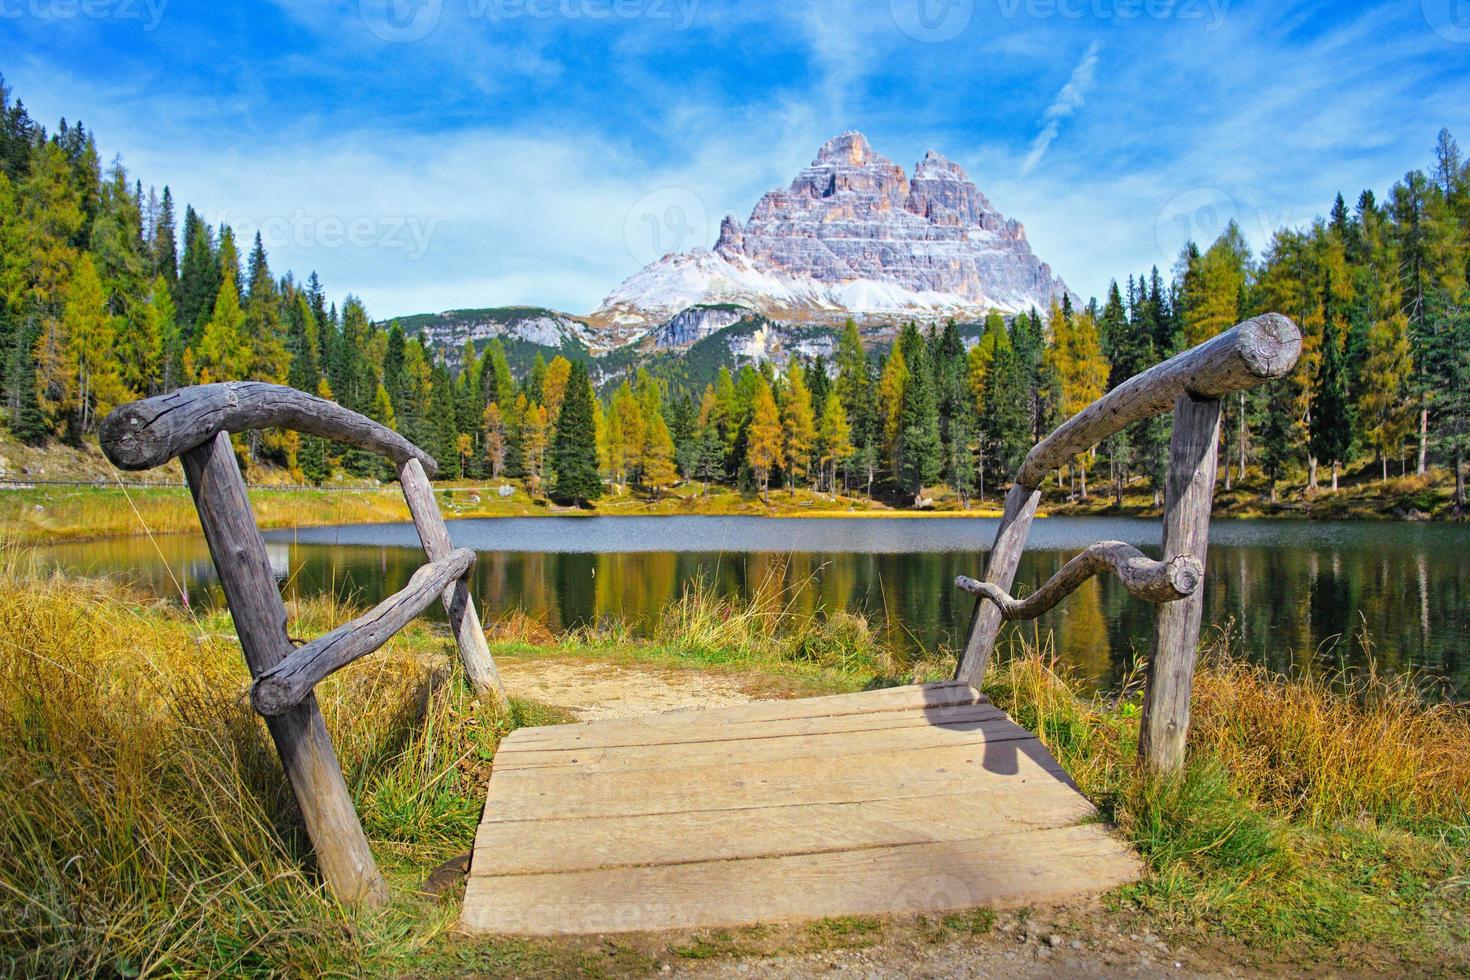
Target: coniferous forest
x=109 y=293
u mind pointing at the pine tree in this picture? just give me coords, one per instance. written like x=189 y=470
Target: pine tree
x=891 y=384
x=89 y=333
x=554 y=385
x=1221 y=274
x=959 y=460
x=659 y=473
x=199 y=276
x=223 y=350
x=495 y=446
x=799 y=431
x=1331 y=428
x=835 y=438
x=1075 y=358
x=443 y=441
x=1005 y=423
x=269 y=358
x=633 y=430
x=982 y=356
x=301 y=345
x=763 y=449
x=919 y=448
x=141 y=347
x=316 y=465
x=164 y=247
x=1383 y=404
x=574 y=457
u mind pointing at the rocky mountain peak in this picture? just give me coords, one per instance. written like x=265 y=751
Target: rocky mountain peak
x=852 y=235
x=850 y=147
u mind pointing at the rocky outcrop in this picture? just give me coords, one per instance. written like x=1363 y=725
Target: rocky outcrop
x=852 y=235
x=696 y=323
x=449 y=330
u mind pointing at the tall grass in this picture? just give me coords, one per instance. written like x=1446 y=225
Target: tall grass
x=770 y=626
x=1312 y=808
x=145 y=824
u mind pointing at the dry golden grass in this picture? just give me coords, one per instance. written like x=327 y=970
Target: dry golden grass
x=145 y=823
x=1316 y=810
x=1333 y=748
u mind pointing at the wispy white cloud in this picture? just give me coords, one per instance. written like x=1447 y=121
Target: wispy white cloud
x=1068 y=101
x=527 y=151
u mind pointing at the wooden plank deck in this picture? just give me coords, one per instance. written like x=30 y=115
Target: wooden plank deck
x=912 y=799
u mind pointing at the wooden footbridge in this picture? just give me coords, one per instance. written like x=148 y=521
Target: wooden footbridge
x=909 y=799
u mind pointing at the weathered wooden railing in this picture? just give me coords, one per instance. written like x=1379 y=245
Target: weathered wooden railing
x=194 y=424
x=1193 y=385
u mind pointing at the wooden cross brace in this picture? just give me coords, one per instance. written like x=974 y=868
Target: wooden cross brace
x=194 y=424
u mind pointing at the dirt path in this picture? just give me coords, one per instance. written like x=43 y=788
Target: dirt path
x=595 y=691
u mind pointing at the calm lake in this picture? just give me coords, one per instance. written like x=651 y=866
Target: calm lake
x=1290 y=593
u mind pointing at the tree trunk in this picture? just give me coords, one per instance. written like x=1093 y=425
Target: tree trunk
x=1460 y=483
x=1423 y=441
x=1311 y=472
x=1240 y=437
x=1335 y=467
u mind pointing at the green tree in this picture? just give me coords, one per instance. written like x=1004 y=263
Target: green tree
x=223 y=350
x=1331 y=427
x=574 y=454
x=919 y=447
x=834 y=435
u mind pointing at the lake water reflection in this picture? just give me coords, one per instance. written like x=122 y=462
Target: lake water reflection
x=1290 y=593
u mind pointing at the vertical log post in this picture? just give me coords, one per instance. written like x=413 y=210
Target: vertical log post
x=1189 y=491
x=300 y=734
x=1005 y=556
x=479 y=666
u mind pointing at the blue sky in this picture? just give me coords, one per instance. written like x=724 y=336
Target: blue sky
x=432 y=154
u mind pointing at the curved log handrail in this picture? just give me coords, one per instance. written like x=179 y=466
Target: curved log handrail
x=148 y=433
x=286 y=685
x=1257 y=350
x=1153 y=581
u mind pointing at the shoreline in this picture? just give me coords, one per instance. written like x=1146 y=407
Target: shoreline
x=45 y=514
